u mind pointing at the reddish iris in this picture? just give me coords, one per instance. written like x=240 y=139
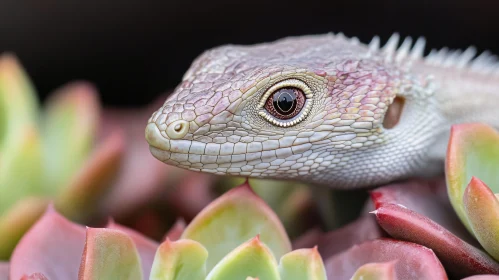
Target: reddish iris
x=285 y=103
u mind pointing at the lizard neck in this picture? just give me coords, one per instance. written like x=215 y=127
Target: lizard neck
x=463 y=96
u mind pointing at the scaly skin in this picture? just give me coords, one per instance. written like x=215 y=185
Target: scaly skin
x=213 y=122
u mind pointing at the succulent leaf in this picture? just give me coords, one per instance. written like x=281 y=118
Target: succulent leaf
x=90 y=182
x=473 y=150
x=376 y=271
x=409 y=257
x=18 y=103
x=69 y=128
x=251 y=258
x=482 y=209
x=109 y=254
x=17 y=221
x=145 y=246
x=290 y=200
x=363 y=229
x=302 y=264
x=404 y=211
x=53 y=247
x=176 y=230
x=179 y=260
x=234 y=218
x=21 y=168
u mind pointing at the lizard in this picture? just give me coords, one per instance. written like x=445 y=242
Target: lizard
x=324 y=109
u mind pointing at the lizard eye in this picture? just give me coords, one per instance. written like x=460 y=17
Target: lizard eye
x=286 y=103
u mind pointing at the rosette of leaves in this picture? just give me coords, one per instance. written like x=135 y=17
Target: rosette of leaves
x=49 y=154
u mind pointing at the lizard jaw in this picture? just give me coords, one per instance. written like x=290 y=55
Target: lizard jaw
x=155 y=139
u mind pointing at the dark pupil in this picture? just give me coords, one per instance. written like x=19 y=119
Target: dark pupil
x=285 y=101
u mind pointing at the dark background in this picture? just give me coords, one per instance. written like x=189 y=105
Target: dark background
x=135 y=50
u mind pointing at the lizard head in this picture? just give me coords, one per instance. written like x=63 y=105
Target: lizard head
x=315 y=108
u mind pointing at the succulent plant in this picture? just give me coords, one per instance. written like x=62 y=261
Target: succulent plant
x=235 y=236
x=50 y=154
x=424 y=211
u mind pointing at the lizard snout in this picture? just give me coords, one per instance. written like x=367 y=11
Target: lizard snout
x=155 y=138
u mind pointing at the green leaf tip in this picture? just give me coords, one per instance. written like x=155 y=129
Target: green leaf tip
x=69 y=129
x=376 y=271
x=109 y=254
x=232 y=219
x=18 y=100
x=179 y=260
x=302 y=264
x=482 y=209
x=251 y=258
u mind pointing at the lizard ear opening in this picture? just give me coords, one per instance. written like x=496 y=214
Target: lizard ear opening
x=392 y=116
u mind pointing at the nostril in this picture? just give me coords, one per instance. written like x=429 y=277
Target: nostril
x=177 y=129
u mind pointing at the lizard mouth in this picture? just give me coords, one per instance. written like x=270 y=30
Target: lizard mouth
x=155 y=138
x=191 y=153
x=196 y=155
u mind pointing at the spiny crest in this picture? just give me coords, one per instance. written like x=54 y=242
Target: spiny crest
x=406 y=53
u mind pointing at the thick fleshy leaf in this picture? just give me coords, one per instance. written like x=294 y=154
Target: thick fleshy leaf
x=145 y=246
x=428 y=198
x=20 y=168
x=291 y=201
x=69 y=128
x=252 y=258
x=302 y=264
x=109 y=254
x=395 y=214
x=4 y=271
x=179 y=260
x=85 y=188
x=482 y=209
x=363 y=229
x=473 y=151
x=233 y=218
x=17 y=221
x=413 y=261
x=460 y=258
x=53 y=246
x=376 y=271
x=176 y=230
x=18 y=103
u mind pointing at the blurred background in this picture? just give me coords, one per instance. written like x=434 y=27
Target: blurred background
x=135 y=50
x=83 y=148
